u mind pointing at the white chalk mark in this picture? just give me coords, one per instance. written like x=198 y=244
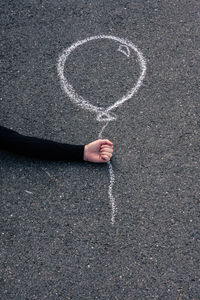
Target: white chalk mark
x=102 y=129
x=124 y=49
x=110 y=194
x=103 y=114
x=112 y=180
x=28 y=192
x=47 y=173
x=52 y=177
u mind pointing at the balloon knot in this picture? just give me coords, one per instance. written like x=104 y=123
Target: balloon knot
x=106 y=116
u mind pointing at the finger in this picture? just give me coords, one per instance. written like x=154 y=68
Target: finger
x=107 y=154
x=105 y=157
x=106 y=142
x=109 y=150
x=106 y=146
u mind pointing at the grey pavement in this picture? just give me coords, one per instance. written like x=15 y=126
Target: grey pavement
x=57 y=241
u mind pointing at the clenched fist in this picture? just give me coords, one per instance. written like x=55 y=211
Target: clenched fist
x=99 y=151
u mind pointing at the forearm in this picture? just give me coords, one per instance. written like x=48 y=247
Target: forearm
x=39 y=148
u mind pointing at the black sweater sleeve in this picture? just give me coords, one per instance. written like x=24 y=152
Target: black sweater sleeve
x=39 y=148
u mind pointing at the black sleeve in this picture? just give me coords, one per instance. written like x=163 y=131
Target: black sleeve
x=39 y=148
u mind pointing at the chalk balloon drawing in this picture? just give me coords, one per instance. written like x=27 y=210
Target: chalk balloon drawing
x=103 y=114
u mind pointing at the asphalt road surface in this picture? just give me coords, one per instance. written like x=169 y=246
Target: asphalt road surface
x=57 y=240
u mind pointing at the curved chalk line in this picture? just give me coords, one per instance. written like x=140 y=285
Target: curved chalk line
x=126 y=52
x=102 y=129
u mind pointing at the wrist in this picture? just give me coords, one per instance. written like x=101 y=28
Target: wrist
x=85 y=153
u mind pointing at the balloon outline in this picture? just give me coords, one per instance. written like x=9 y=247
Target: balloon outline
x=103 y=114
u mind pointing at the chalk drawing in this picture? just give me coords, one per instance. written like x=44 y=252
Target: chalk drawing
x=102 y=114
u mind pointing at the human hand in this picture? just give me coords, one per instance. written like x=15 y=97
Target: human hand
x=99 y=151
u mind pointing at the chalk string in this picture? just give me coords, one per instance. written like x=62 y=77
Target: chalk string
x=112 y=180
